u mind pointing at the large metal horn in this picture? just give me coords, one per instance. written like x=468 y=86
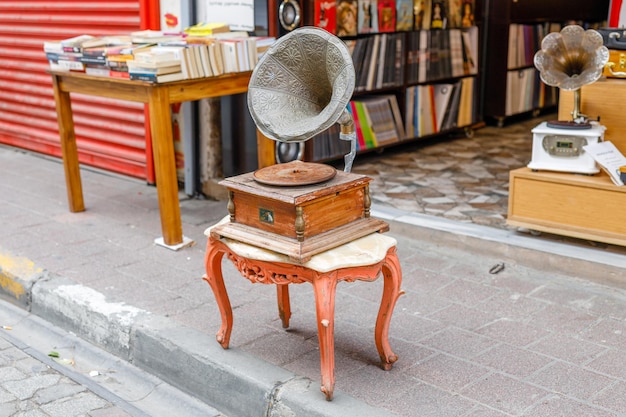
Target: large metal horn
x=571 y=59
x=301 y=86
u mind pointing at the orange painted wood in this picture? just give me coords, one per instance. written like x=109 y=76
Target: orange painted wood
x=68 y=148
x=324 y=286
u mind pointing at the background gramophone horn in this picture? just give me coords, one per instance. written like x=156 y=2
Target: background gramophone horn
x=570 y=59
x=301 y=87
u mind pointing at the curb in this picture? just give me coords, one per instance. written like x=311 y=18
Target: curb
x=576 y=258
x=183 y=357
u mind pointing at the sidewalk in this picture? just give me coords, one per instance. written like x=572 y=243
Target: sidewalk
x=492 y=323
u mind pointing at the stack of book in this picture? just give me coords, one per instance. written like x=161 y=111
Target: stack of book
x=209 y=50
x=156 y=65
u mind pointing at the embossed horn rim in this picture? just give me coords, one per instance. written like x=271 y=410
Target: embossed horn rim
x=301 y=85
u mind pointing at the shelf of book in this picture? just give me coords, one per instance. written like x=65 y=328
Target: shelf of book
x=510 y=83
x=416 y=65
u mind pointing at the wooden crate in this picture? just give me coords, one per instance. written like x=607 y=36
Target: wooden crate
x=580 y=206
x=299 y=221
x=606 y=98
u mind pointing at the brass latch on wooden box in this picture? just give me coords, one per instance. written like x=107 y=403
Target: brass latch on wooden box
x=616 y=67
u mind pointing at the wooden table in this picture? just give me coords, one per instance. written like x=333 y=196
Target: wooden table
x=158 y=96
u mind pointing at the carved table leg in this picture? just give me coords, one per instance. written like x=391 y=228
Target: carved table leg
x=393 y=279
x=284 y=306
x=213 y=264
x=324 y=286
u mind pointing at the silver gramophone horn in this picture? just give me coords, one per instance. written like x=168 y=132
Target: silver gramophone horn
x=301 y=87
x=570 y=59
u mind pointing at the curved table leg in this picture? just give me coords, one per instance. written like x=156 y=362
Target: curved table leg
x=324 y=286
x=393 y=279
x=284 y=306
x=213 y=264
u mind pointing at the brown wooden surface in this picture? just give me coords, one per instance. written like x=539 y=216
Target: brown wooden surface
x=300 y=251
x=605 y=99
x=295 y=195
x=581 y=206
x=159 y=96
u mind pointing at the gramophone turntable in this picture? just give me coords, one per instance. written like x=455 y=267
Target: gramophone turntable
x=569 y=60
x=300 y=87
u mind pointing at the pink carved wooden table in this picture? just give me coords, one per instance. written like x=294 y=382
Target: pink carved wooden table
x=362 y=259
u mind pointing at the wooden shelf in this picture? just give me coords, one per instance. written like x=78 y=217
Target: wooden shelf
x=499 y=15
x=580 y=206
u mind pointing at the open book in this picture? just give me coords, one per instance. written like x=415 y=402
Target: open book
x=608 y=157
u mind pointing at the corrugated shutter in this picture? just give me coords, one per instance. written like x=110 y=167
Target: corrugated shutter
x=111 y=134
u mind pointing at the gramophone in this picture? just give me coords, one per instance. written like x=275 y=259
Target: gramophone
x=301 y=87
x=569 y=59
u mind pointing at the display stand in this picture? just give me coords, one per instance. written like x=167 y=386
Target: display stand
x=580 y=206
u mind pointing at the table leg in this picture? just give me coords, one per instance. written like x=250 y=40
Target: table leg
x=165 y=166
x=213 y=266
x=392 y=274
x=68 y=147
x=324 y=286
x=284 y=306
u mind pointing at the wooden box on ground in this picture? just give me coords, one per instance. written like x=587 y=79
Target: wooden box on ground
x=606 y=98
x=580 y=206
x=299 y=221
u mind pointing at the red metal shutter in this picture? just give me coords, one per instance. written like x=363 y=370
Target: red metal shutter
x=111 y=134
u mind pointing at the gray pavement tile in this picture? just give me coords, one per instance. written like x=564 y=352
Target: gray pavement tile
x=447 y=372
x=560 y=406
x=564 y=319
x=458 y=342
x=513 y=361
x=427 y=401
x=463 y=317
x=412 y=328
x=483 y=411
x=512 y=306
x=610 y=362
x=419 y=280
x=571 y=380
x=613 y=397
x=607 y=331
x=504 y=393
x=421 y=303
x=568 y=348
x=373 y=383
x=467 y=293
x=513 y=332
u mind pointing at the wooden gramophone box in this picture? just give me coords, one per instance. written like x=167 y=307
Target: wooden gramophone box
x=299 y=220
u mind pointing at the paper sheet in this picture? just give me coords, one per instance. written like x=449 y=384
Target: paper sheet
x=608 y=157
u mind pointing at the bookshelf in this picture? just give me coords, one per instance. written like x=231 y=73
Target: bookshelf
x=513 y=32
x=423 y=77
x=426 y=82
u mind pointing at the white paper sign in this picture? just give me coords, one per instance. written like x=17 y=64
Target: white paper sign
x=239 y=14
x=608 y=157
